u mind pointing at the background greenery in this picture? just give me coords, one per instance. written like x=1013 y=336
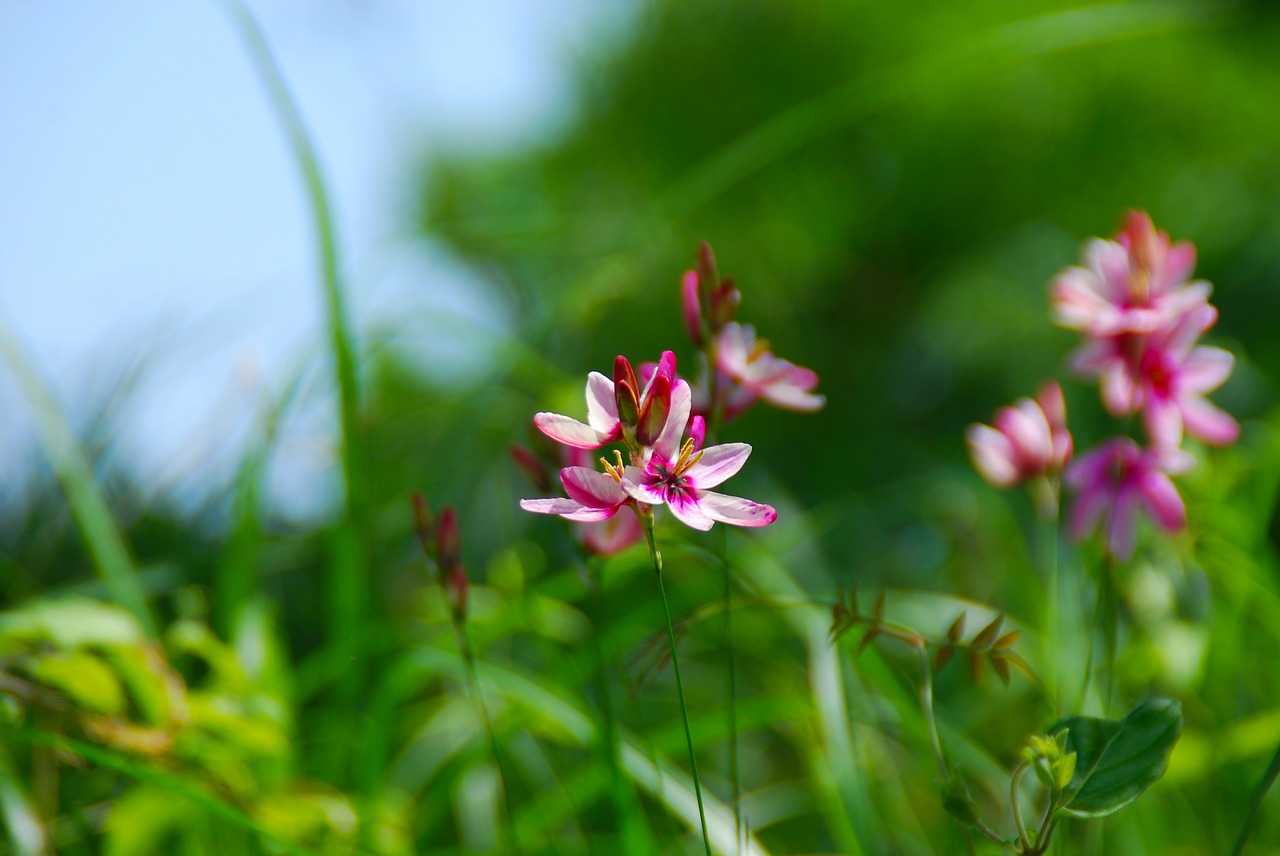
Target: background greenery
x=893 y=186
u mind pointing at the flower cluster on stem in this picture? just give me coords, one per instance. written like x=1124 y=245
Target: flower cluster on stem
x=1141 y=317
x=668 y=464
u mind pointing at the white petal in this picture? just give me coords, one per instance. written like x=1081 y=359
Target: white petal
x=592 y=488
x=717 y=464
x=602 y=406
x=569 y=431
x=735 y=510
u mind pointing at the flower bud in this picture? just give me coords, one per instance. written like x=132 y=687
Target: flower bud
x=708 y=276
x=724 y=304
x=422 y=521
x=456 y=585
x=448 y=540
x=691 y=301
x=654 y=410
x=625 y=391
x=533 y=466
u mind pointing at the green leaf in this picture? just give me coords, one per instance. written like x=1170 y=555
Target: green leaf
x=1117 y=761
x=84 y=677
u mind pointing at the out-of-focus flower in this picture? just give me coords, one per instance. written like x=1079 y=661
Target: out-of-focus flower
x=749 y=371
x=1115 y=481
x=1134 y=284
x=679 y=476
x=1165 y=377
x=1029 y=439
x=610 y=536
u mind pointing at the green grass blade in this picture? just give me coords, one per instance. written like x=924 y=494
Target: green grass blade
x=346 y=582
x=102 y=537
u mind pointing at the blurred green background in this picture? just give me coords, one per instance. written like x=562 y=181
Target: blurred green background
x=893 y=186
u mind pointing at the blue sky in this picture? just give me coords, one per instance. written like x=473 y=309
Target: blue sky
x=150 y=215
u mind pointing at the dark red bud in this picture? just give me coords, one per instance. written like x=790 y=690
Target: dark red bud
x=624 y=393
x=653 y=413
x=457 y=585
x=536 y=471
x=448 y=540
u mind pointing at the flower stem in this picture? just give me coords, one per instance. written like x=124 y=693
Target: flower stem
x=646 y=521
x=1023 y=838
x=926 y=705
x=1268 y=779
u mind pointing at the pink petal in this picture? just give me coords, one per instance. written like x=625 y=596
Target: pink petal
x=1122 y=523
x=636 y=483
x=1076 y=302
x=1118 y=393
x=1111 y=261
x=1205 y=369
x=1163 y=419
x=568 y=509
x=602 y=406
x=1089 y=508
x=992 y=455
x=717 y=464
x=571 y=432
x=1162 y=501
x=1209 y=423
x=735 y=510
x=791 y=397
x=697 y=432
x=732 y=348
x=612 y=536
x=668 y=441
x=1179 y=261
x=592 y=488
x=1027 y=429
x=685 y=509
x=691 y=302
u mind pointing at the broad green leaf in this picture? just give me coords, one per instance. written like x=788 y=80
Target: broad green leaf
x=83 y=677
x=73 y=622
x=1118 y=760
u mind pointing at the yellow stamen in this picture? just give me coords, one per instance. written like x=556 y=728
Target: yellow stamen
x=687 y=458
x=614 y=470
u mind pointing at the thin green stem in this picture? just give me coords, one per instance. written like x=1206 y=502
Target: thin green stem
x=102 y=538
x=646 y=520
x=926 y=705
x=473 y=680
x=1264 y=786
x=1023 y=838
x=1053 y=605
x=1110 y=627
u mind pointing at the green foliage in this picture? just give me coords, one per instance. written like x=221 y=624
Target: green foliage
x=1119 y=759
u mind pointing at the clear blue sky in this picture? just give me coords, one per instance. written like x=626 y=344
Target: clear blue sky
x=149 y=212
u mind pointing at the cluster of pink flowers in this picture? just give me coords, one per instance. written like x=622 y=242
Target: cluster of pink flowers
x=661 y=420
x=746 y=369
x=669 y=465
x=1141 y=318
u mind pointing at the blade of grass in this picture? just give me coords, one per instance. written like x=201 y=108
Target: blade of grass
x=347 y=574
x=26 y=832
x=102 y=537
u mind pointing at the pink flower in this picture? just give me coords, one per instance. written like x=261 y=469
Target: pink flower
x=1117 y=479
x=614 y=406
x=610 y=536
x=1029 y=439
x=679 y=477
x=1134 y=284
x=753 y=372
x=1163 y=376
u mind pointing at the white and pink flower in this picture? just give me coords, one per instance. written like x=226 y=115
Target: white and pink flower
x=1029 y=439
x=1134 y=284
x=750 y=371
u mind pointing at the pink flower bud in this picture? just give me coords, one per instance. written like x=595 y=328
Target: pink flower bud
x=654 y=410
x=456 y=585
x=625 y=390
x=724 y=304
x=691 y=300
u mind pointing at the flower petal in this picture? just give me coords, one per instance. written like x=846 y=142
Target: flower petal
x=1205 y=369
x=638 y=485
x=591 y=487
x=668 y=443
x=1122 y=522
x=735 y=510
x=1209 y=423
x=602 y=406
x=992 y=455
x=1162 y=501
x=571 y=432
x=717 y=464
x=686 y=510
x=568 y=509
